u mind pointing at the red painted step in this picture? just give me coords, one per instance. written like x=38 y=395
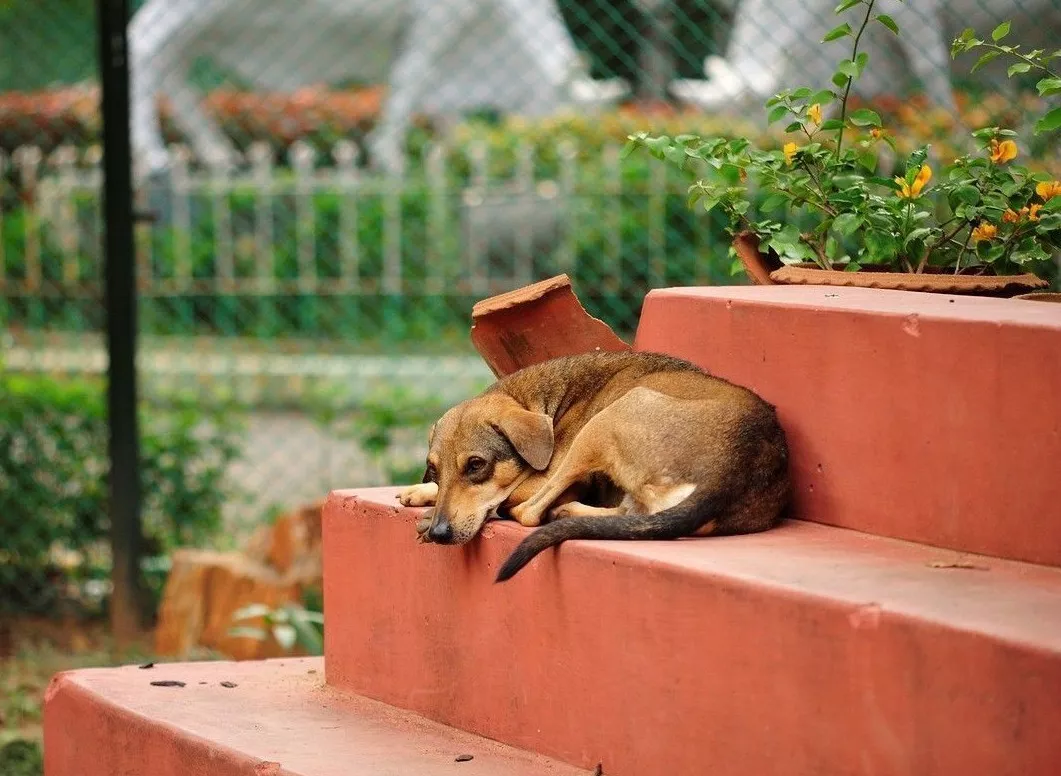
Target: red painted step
x=802 y=651
x=279 y=720
x=916 y=416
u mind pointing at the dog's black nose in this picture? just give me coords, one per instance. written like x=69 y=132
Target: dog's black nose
x=441 y=532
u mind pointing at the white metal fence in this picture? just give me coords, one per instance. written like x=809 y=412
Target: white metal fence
x=475 y=231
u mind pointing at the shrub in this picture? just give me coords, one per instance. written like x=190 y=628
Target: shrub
x=54 y=494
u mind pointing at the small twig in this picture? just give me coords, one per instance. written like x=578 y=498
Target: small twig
x=958 y=261
x=943 y=240
x=851 y=80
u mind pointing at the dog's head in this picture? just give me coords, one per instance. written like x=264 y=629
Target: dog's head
x=480 y=451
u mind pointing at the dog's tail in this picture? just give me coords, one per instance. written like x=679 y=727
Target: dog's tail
x=682 y=519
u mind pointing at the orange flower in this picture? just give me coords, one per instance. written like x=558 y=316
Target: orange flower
x=876 y=133
x=1004 y=151
x=789 y=151
x=1012 y=216
x=814 y=113
x=913 y=190
x=985 y=232
x=1048 y=189
x=1033 y=211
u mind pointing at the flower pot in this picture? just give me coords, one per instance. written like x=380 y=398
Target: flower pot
x=1042 y=296
x=769 y=270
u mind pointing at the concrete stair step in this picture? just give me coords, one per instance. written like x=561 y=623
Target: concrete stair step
x=278 y=720
x=805 y=650
x=924 y=417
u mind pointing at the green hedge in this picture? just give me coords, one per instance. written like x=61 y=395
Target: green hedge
x=53 y=486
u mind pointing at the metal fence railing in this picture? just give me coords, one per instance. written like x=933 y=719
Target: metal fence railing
x=328 y=186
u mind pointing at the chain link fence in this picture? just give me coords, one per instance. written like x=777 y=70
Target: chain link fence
x=326 y=187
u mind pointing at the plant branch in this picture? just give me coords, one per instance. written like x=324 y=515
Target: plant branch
x=1029 y=60
x=850 y=79
x=943 y=240
x=965 y=247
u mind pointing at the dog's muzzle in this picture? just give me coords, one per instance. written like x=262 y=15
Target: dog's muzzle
x=440 y=532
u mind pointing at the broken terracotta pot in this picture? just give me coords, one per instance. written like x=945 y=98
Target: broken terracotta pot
x=536 y=323
x=769 y=270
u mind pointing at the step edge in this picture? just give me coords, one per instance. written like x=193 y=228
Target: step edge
x=619 y=554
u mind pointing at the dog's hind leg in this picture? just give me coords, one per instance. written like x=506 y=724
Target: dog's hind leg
x=578 y=509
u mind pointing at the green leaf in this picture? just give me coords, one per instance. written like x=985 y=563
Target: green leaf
x=1049 y=122
x=251 y=612
x=773 y=202
x=868 y=160
x=917 y=234
x=966 y=195
x=776 y=114
x=285 y=635
x=1020 y=67
x=983 y=60
x=244 y=632
x=886 y=182
x=1000 y=32
x=837 y=32
x=795 y=126
x=831 y=125
x=852 y=266
x=881 y=247
x=861 y=61
x=309 y=637
x=847 y=68
x=1048 y=86
x=846 y=5
x=864 y=117
x=839 y=79
x=846 y=224
x=888 y=22
x=1048 y=223
x=823 y=97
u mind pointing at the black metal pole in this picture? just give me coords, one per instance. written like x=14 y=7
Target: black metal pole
x=120 y=305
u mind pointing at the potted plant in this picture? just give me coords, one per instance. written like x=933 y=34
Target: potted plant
x=828 y=214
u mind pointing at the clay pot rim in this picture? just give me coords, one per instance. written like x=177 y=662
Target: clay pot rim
x=765 y=271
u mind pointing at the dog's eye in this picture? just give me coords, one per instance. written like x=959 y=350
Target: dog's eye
x=474 y=465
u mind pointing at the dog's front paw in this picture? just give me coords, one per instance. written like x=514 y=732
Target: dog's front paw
x=524 y=516
x=422 y=495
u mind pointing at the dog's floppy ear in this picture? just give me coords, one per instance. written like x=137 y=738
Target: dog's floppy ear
x=531 y=433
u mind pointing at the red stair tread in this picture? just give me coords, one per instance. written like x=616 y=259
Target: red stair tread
x=769 y=654
x=916 y=416
x=280 y=720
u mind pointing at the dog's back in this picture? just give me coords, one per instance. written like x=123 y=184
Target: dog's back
x=662 y=429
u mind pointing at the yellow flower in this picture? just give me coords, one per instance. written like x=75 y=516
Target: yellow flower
x=1005 y=151
x=1033 y=211
x=789 y=151
x=913 y=190
x=1012 y=216
x=1048 y=189
x=814 y=113
x=984 y=232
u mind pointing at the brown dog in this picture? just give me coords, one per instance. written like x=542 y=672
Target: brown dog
x=618 y=445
